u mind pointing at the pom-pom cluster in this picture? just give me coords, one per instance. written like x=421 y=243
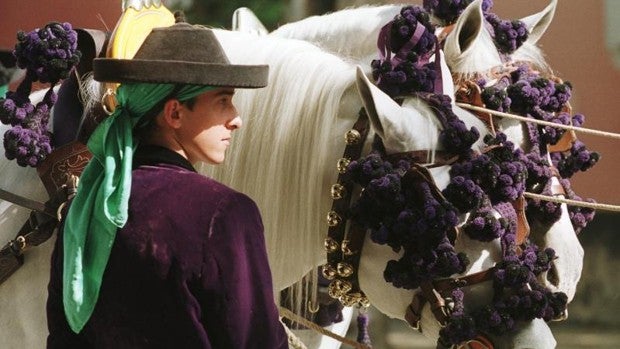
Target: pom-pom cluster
x=448 y=11
x=529 y=93
x=409 y=71
x=507 y=35
x=407 y=216
x=518 y=297
x=48 y=55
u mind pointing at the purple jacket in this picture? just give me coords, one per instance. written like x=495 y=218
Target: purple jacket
x=188 y=270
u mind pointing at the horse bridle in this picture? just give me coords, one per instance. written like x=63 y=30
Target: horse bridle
x=343 y=247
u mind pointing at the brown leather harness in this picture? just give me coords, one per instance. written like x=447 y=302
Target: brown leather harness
x=59 y=173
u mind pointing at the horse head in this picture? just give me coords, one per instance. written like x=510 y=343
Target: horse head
x=469 y=38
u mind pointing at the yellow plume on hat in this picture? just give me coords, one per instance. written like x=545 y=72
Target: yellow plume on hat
x=139 y=17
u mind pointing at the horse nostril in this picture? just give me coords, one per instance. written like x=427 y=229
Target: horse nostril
x=552 y=276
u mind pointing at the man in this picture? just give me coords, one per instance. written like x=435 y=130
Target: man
x=154 y=255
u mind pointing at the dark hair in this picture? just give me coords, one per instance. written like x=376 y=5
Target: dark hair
x=147 y=125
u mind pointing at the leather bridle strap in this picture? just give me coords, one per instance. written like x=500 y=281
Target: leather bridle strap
x=343 y=250
x=433 y=292
x=38 y=228
x=440 y=157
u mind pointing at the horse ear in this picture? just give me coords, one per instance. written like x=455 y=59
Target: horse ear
x=538 y=23
x=244 y=20
x=469 y=48
x=387 y=118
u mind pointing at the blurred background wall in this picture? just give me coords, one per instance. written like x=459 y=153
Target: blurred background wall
x=581 y=45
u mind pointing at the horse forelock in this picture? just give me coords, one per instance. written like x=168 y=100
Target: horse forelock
x=531 y=54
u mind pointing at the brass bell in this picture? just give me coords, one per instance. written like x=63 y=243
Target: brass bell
x=338 y=288
x=329 y=272
x=338 y=191
x=346 y=249
x=333 y=218
x=350 y=299
x=344 y=269
x=364 y=301
x=330 y=245
x=343 y=163
x=352 y=137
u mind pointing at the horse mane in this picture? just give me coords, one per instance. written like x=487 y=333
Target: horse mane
x=279 y=157
x=90 y=91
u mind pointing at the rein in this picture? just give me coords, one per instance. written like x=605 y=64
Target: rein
x=475 y=104
x=539 y=122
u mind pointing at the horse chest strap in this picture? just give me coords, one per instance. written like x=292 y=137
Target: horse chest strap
x=343 y=248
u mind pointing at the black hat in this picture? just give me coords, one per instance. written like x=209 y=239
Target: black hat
x=181 y=54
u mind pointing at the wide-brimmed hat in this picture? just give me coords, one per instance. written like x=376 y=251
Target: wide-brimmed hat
x=181 y=54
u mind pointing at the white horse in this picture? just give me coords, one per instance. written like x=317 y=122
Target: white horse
x=469 y=51
x=310 y=102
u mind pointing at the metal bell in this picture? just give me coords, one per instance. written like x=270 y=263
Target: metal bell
x=344 y=269
x=333 y=218
x=338 y=191
x=328 y=271
x=342 y=165
x=352 y=137
x=330 y=245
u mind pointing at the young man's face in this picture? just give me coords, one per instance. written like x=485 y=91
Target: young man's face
x=206 y=129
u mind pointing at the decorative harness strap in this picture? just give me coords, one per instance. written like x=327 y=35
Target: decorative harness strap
x=59 y=173
x=343 y=250
x=344 y=247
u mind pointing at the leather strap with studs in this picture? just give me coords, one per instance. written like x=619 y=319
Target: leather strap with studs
x=343 y=249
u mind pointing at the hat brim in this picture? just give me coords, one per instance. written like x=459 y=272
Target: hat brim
x=180 y=72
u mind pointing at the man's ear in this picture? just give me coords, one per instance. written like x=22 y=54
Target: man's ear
x=172 y=113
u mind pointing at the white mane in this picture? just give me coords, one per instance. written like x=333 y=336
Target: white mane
x=295 y=136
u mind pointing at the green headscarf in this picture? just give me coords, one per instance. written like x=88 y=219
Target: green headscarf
x=101 y=203
x=3 y=90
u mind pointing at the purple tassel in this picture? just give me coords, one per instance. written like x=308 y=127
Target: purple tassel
x=362 y=328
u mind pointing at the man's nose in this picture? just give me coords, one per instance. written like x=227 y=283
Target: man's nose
x=236 y=122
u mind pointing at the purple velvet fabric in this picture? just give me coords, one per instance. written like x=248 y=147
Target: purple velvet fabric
x=188 y=270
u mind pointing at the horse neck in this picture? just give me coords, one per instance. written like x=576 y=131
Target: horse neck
x=350 y=33
x=284 y=158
